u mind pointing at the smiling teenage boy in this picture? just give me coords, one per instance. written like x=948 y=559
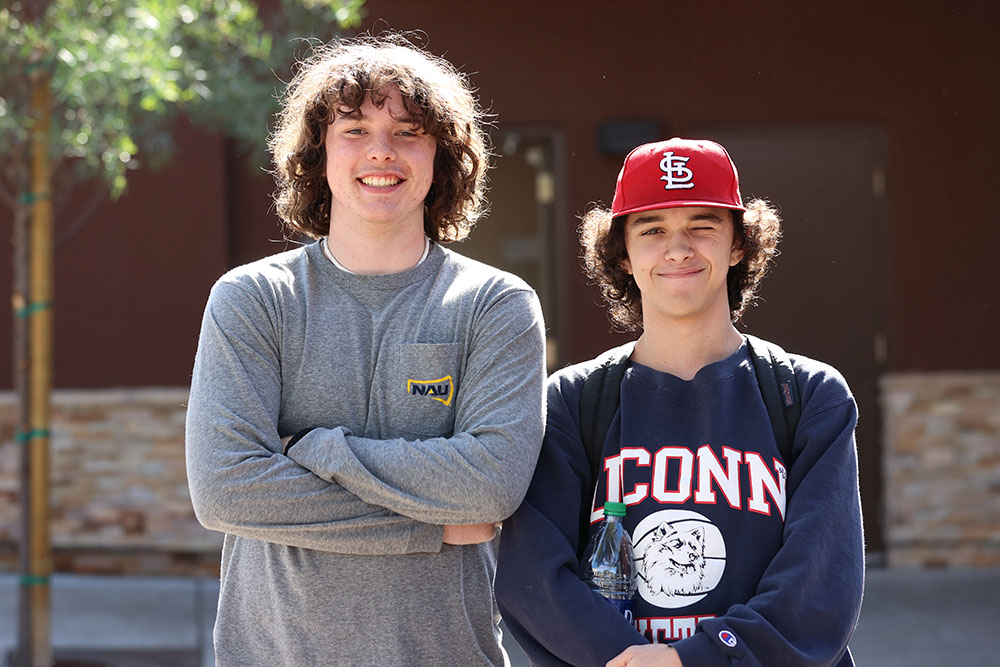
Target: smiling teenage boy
x=367 y=408
x=745 y=554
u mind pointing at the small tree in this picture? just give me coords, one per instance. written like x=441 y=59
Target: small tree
x=88 y=90
x=120 y=69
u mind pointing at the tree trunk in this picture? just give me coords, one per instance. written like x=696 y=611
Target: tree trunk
x=19 y=302
x=34 y=375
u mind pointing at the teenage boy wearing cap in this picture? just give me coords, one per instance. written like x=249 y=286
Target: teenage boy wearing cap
x=741 y=559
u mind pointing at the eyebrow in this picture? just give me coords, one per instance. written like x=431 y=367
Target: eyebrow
x=357 y=115
x=711 y=217
x=645 y=219
x=658 y=217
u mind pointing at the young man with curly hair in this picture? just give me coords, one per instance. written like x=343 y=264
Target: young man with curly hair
x=366 y=409
x=742 y=557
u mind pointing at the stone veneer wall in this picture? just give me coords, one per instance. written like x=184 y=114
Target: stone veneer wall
x=121 y=505
x=942 y=469
x=120 y=501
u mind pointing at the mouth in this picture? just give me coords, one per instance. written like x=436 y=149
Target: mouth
x=384 y=181
x=681 y=274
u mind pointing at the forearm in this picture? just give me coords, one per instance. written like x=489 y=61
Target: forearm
x=239 y=486
x=440 y=480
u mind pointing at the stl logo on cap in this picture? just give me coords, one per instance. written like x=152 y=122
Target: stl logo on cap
x=677 y=176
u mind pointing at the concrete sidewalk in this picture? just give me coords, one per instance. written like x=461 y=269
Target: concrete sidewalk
x=909 y=618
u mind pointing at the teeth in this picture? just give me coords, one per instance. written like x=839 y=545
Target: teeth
x=380 y=181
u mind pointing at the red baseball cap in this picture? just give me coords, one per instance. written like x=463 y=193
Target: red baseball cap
x=678 y=172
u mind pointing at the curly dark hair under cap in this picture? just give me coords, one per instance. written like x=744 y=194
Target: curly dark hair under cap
x=337 y=78
x=757 y=232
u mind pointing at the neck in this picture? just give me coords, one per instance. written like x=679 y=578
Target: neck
x=684 y=348
x=377 y=251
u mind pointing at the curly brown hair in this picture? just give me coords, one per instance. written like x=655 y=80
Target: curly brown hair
x=337 y=78
x=757 y=232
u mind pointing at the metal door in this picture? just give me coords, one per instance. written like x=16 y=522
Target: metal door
x=826 y=296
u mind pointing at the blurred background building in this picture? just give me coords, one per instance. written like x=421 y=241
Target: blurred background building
x=872 y=126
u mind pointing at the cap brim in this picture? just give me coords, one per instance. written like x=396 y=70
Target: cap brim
x=679 y=204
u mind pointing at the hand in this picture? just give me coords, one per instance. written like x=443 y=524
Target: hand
x=474 y=533
x=647 y=655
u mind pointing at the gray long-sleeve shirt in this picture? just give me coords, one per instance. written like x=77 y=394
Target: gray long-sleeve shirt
x=424 y=390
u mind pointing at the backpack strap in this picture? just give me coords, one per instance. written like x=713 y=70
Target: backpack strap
x=598 y=405
x=779 y=390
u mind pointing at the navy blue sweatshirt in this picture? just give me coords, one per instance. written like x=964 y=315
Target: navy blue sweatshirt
x=740 y=561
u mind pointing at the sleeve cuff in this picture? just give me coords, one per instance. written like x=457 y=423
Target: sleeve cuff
x=426 y=538
x=699 y=649
x=295 y=438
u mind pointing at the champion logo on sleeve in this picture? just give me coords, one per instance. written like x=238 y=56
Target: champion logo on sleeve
x=727 y=638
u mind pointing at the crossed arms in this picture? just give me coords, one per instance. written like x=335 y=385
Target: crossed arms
x=342 y=493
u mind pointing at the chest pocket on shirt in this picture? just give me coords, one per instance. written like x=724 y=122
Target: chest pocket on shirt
x=425 y=380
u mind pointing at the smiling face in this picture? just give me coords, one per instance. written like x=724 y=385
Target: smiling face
x=379 y=166
x=679 y=258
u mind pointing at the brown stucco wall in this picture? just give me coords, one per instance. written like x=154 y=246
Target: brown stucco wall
x=926 y=72
x=131 y=285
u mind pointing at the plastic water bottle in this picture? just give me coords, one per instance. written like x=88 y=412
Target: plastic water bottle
x=608 y=563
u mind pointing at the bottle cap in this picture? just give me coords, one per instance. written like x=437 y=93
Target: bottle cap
x=614 y=509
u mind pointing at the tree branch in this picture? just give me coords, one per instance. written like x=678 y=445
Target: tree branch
x=85 y=214
x=9 y=200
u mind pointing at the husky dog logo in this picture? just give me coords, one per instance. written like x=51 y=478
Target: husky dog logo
x=441 y=389
x=675 y=173
x=680 y=557
x=673 y=561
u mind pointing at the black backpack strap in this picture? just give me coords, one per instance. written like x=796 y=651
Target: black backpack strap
x=780 y=391
x=598 y=405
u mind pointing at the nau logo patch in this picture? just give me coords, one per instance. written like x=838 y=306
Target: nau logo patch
x=441 y=389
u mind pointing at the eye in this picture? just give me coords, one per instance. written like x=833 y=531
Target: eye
x=706 y=225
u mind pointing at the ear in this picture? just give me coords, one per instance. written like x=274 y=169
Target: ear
x=626 y=265
x=737 y=252
x=736 y=255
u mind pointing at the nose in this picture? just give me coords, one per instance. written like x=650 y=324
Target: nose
x=381 y=148
x=677 y=246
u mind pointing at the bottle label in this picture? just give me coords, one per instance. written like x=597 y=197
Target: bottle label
x=625 y=607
